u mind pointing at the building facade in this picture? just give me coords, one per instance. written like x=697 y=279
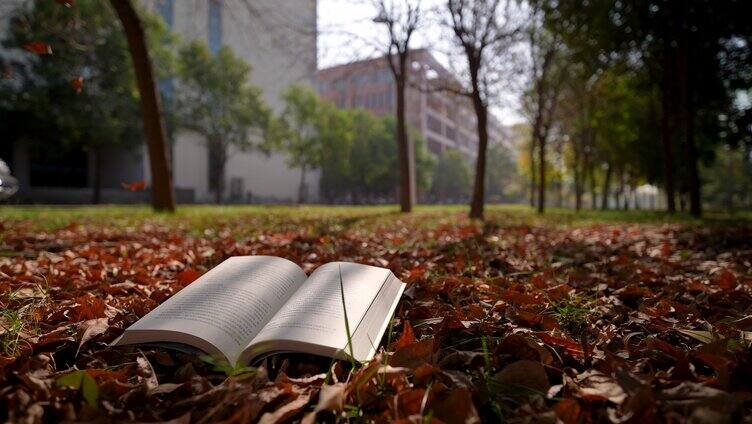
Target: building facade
x=445 y=120
x=277 y=38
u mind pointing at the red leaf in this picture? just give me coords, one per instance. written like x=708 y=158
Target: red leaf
x=570 y=345
x=89 y=307
x=456 y=407
x=188 y=276
x=413 y=355
x=38 y=47
x=135 y=186
x=407 y=338
x=725 y=279
x=568 y=410
x=524 y=373
x=78 y=84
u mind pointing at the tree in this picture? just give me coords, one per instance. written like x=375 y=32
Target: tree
x=546 y=69
x=359 y=163
x=484 y=31
x=401 y=23
x=502 y=180
x=163 y=195
x=451 y=181
x=216 y=100
x=299 y=137
x=681 y=46
x=82 y=95
x=373 y=160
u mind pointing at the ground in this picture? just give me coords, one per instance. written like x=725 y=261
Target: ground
x=607 y=316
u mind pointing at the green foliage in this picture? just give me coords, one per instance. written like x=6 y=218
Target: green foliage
x=729 y=179
x=11 y=326
x=451 y=181
x=215 y=98
x=348 y=333
x=503 y=182
x=299 y=127
x=374 y=159
x=81 y=380
x=84 y=93
x=221 y=365
x=572 y=317
x=354 y=150
x=634 y=56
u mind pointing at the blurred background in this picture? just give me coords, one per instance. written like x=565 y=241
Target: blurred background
x=602 y=104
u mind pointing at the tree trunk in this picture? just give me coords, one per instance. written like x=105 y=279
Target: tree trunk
x=578 y=173
x=541 y=175
x=220 y=189
x=406 y=183
x=730 y=188
x=606 y=187
x=593 y=191
x=666 y=126
x=302 y=188
x=620 y=191
x=477 y=203
x=532 y=172
x=685 y=78
x=97 y=180
x=163 y=196
x=220 y=152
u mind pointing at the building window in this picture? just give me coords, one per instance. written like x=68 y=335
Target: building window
x=166 y=10
x=386 y=75
x=434 y=124
x=215 y=25
x=236 y=189
x=435 y=147
x=450 y=132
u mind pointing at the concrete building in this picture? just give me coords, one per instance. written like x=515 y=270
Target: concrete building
x=445 y=120
x=276 y=37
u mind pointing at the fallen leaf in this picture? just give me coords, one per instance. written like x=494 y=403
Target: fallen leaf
x=38 y=47
x=135 y=186
x=407 y=337
x=700 y=335
x=83 y=382
x=89 y=329
x=525 y=373
x=78 y=84
x=286 y=411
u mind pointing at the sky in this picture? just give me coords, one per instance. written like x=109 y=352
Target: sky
x=347 y=33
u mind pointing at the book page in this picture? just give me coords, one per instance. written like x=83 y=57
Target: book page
x=226 y=307
x=315 y=314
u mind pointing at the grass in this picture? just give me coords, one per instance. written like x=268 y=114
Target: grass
x=18 y=317
x=347 y=321
x=11 y=327
x=572 y=317
x=323 y=219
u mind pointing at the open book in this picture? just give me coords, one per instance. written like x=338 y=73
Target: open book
x=248 y=307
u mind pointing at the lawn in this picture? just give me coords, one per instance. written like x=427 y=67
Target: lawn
x=597 y=316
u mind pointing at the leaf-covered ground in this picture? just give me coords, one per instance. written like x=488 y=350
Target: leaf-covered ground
x=514 y=319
